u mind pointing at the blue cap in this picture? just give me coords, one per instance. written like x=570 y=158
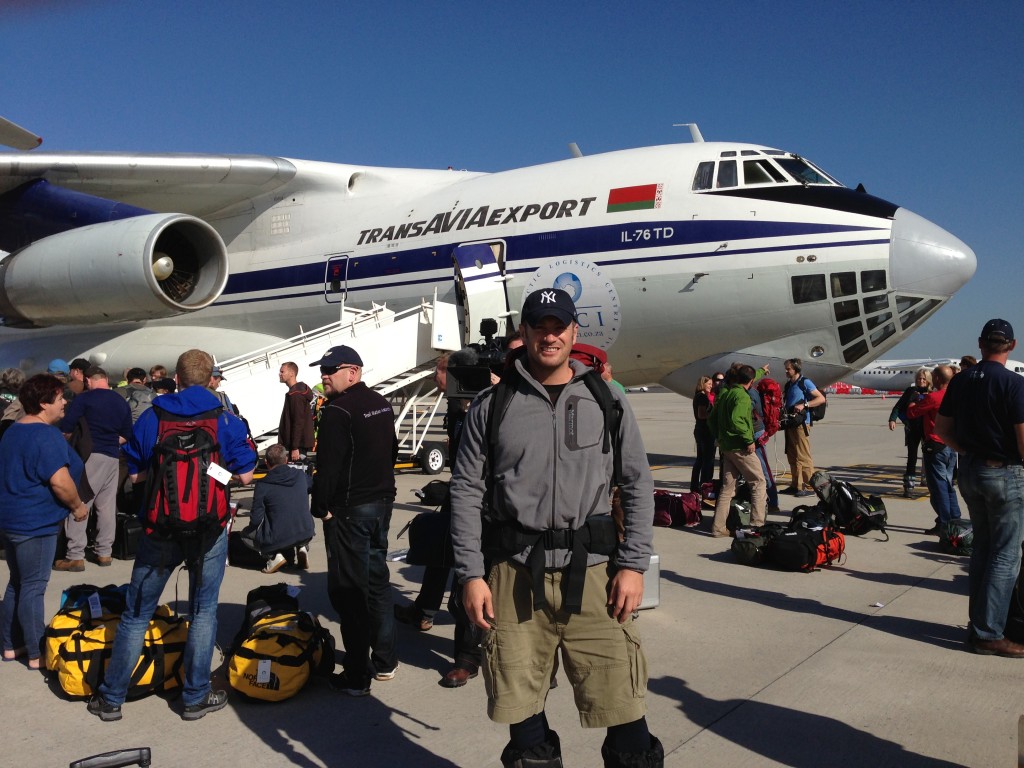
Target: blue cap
x=339 y=356
x=548 y=302
x=58 y=366
x=997 y=330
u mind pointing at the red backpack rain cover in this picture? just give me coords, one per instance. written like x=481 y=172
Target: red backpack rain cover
x=771 y=404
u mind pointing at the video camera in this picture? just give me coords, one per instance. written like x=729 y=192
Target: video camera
x=469 y=369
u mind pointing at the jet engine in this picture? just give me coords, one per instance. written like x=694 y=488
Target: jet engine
x=140 y=268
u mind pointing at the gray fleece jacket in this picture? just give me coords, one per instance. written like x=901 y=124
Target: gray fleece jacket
x=549 y=473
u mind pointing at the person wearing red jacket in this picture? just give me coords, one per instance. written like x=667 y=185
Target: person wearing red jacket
x=939 y=458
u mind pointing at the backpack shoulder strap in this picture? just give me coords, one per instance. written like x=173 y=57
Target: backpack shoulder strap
x=612 y=410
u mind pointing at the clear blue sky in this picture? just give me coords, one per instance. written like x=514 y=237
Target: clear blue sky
x=922 y=102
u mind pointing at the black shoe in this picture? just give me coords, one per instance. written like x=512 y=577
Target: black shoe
x=803 y=494
x=933 y=531
x=108 y=713
x=342 y=684
x=214 y=700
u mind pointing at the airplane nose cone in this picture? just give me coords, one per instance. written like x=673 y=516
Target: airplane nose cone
x=925 y=259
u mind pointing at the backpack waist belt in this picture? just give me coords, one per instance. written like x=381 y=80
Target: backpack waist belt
x=597 y=536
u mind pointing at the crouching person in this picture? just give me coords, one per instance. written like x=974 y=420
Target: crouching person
x=186 y=447
x=280 y=526
x=539 y=457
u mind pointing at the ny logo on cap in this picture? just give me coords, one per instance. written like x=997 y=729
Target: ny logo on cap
x=547 y=297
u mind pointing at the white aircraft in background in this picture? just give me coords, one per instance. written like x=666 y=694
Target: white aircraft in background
x=682 y=258
x=897 y=375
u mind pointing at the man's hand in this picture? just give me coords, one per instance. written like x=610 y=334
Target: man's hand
x=476 y=598
x=294 y=455
x=627 y=590
x=749 y=449
x=892 y=425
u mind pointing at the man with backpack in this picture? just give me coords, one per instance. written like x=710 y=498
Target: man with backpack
x=186 y=447
x=982 y=418
x=139 y=396
x=801 y=395
x=539 y=455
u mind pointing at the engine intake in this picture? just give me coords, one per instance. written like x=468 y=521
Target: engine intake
x=141 y=268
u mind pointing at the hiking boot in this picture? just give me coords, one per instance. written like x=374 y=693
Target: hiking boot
x=933 y=531
x=213 y=701
x=302 y=558
x=413 y=616
x=385 y=676
x=100 y=560
x=342 y=684
x=103 y=709
x=75 y=566
x=275 y=563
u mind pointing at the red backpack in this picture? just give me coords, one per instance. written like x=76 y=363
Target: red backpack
x=182 y=500
x=771 y=404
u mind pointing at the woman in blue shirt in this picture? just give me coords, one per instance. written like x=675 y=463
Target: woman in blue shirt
x=39 y=474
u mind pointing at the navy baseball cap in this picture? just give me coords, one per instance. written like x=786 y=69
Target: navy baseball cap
x=548 y=302
x=997 y=330
x=339 y=356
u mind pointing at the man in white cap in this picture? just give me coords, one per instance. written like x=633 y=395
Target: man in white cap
x=353 y=490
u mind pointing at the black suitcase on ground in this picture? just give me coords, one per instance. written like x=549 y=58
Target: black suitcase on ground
x=126 y=536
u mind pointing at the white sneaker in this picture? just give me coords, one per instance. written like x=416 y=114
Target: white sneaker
x=302 y=558
x=386 y=675
x=274 y=565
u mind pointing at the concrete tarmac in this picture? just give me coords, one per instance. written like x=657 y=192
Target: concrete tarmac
x=859 y=664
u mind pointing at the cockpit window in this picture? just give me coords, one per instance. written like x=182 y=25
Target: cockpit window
x=704 y=175
x=727 y=174
x=804 y=172
x=761 y=172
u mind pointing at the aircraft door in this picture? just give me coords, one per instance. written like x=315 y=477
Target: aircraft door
x=336 y=279
x=481 y=290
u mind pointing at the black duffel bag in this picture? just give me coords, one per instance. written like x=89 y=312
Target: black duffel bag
x=430 y=539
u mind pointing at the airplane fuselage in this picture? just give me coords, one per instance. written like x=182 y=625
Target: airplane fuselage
x=674 y=280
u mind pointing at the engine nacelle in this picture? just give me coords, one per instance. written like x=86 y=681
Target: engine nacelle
x=140 y=268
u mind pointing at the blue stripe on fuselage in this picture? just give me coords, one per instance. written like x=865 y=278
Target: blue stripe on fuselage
x=540 y=245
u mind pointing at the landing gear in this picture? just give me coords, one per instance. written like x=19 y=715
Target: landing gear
x=432 y=458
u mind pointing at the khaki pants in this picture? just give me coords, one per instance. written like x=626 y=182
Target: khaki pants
x=798 y=451
x=736 y=463
x=602 y=658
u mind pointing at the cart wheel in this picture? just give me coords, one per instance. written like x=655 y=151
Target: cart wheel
x=432 y=458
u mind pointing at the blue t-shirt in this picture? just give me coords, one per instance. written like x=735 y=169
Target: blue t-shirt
x=109 y=417
x=237 y=452
x=799 y=392
x=30 y=454
x=985 y=403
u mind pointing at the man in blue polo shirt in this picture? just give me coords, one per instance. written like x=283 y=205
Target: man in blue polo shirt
x=158 y=557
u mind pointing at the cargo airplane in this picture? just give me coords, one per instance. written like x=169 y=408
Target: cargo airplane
x=681 y=258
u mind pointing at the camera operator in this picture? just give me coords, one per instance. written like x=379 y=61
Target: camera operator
x=799 y=397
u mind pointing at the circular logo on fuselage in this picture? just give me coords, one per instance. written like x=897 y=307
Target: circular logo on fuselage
x=598 y=310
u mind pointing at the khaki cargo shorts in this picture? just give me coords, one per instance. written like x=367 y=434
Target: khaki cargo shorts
x=602 y=658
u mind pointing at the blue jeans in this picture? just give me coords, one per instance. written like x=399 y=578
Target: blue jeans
x=154 y=564
x=938 y=472
x=359 y=585
x=29 y=559
x=995 y=500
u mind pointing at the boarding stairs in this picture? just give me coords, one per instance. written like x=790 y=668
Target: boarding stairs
x=398 y=351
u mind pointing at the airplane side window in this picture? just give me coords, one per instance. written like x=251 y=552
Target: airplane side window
x=918 y=312
x=872 y=280
x=845 y=310
x=728 y=153
x=726 y=174
x=808 y=288
x=882 y=334
x=704 y=175
x=877 y=320
x=803 y=172
x=844 y=284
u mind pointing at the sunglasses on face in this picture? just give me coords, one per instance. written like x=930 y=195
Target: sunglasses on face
x=330 y=370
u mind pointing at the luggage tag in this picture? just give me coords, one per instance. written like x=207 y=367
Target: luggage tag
x=95 y=609
x=218 y=473
x=263 y=671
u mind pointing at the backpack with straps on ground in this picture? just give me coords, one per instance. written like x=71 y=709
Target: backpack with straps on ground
x=957 y=537
x=182 y=500
x=811 y=541
x=854 y=512
x=278 y=647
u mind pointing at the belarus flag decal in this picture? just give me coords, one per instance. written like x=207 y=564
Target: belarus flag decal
x=640 y=198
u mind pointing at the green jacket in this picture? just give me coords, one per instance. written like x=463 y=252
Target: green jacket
x=732 y=419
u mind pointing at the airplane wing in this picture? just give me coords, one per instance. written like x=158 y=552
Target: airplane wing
x=194 y=184
x=12 y=135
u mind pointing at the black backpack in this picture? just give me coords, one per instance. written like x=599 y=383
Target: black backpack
x=854 y=512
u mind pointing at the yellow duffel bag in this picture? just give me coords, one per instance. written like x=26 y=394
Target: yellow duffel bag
x=80 y=659
x=77 y=605
x=280 y=651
